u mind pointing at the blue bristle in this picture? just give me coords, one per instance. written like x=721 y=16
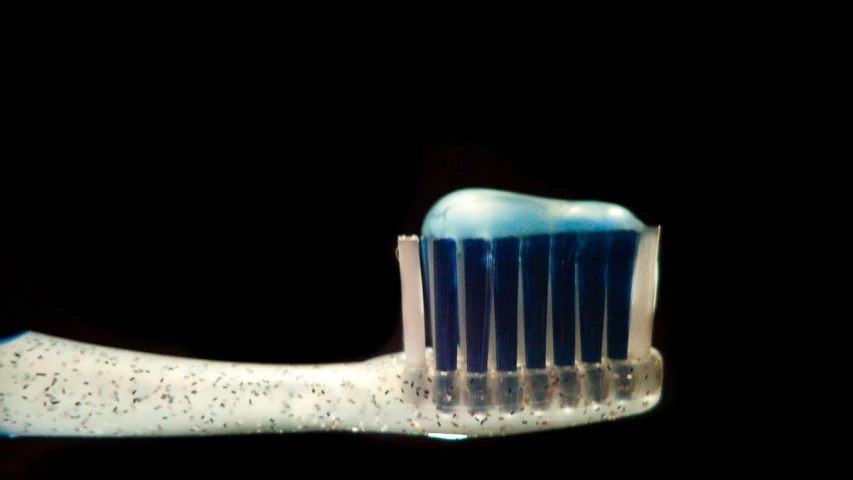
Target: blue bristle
x=591 y=265
x=505 y=286
x=427 y=304
x=564 y=251
x=476 y=256
x=620 y=277
x=534 y=277
x=446 y=309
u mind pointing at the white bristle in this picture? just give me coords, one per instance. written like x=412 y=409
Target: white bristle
x=643 y=294
x=414 y=340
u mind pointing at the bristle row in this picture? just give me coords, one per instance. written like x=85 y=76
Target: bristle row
x=575 y=298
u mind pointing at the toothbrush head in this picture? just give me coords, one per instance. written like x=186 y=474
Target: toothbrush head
x=538 y=302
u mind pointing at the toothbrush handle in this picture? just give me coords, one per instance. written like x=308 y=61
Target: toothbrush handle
x=51 y=386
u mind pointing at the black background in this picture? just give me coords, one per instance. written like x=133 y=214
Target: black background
x=259 y=229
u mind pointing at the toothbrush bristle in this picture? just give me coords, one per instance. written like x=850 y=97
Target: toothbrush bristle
x=427 y=297
x=564 y=249
x=505 y=288
x=591 y=265
x=620 y=277
x=477 y=259
x=446 y=309
x=534 y=274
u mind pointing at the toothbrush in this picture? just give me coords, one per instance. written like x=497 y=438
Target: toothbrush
x=539 y=312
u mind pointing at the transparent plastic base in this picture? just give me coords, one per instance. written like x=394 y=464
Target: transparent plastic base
x=631 y=379
x=568 y=387
x=551 y=389
x=594 y=382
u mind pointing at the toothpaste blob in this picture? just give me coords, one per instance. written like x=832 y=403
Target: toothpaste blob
x=540 y=283
x=488 y=214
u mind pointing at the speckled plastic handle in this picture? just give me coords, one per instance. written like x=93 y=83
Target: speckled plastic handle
x=51 y=386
